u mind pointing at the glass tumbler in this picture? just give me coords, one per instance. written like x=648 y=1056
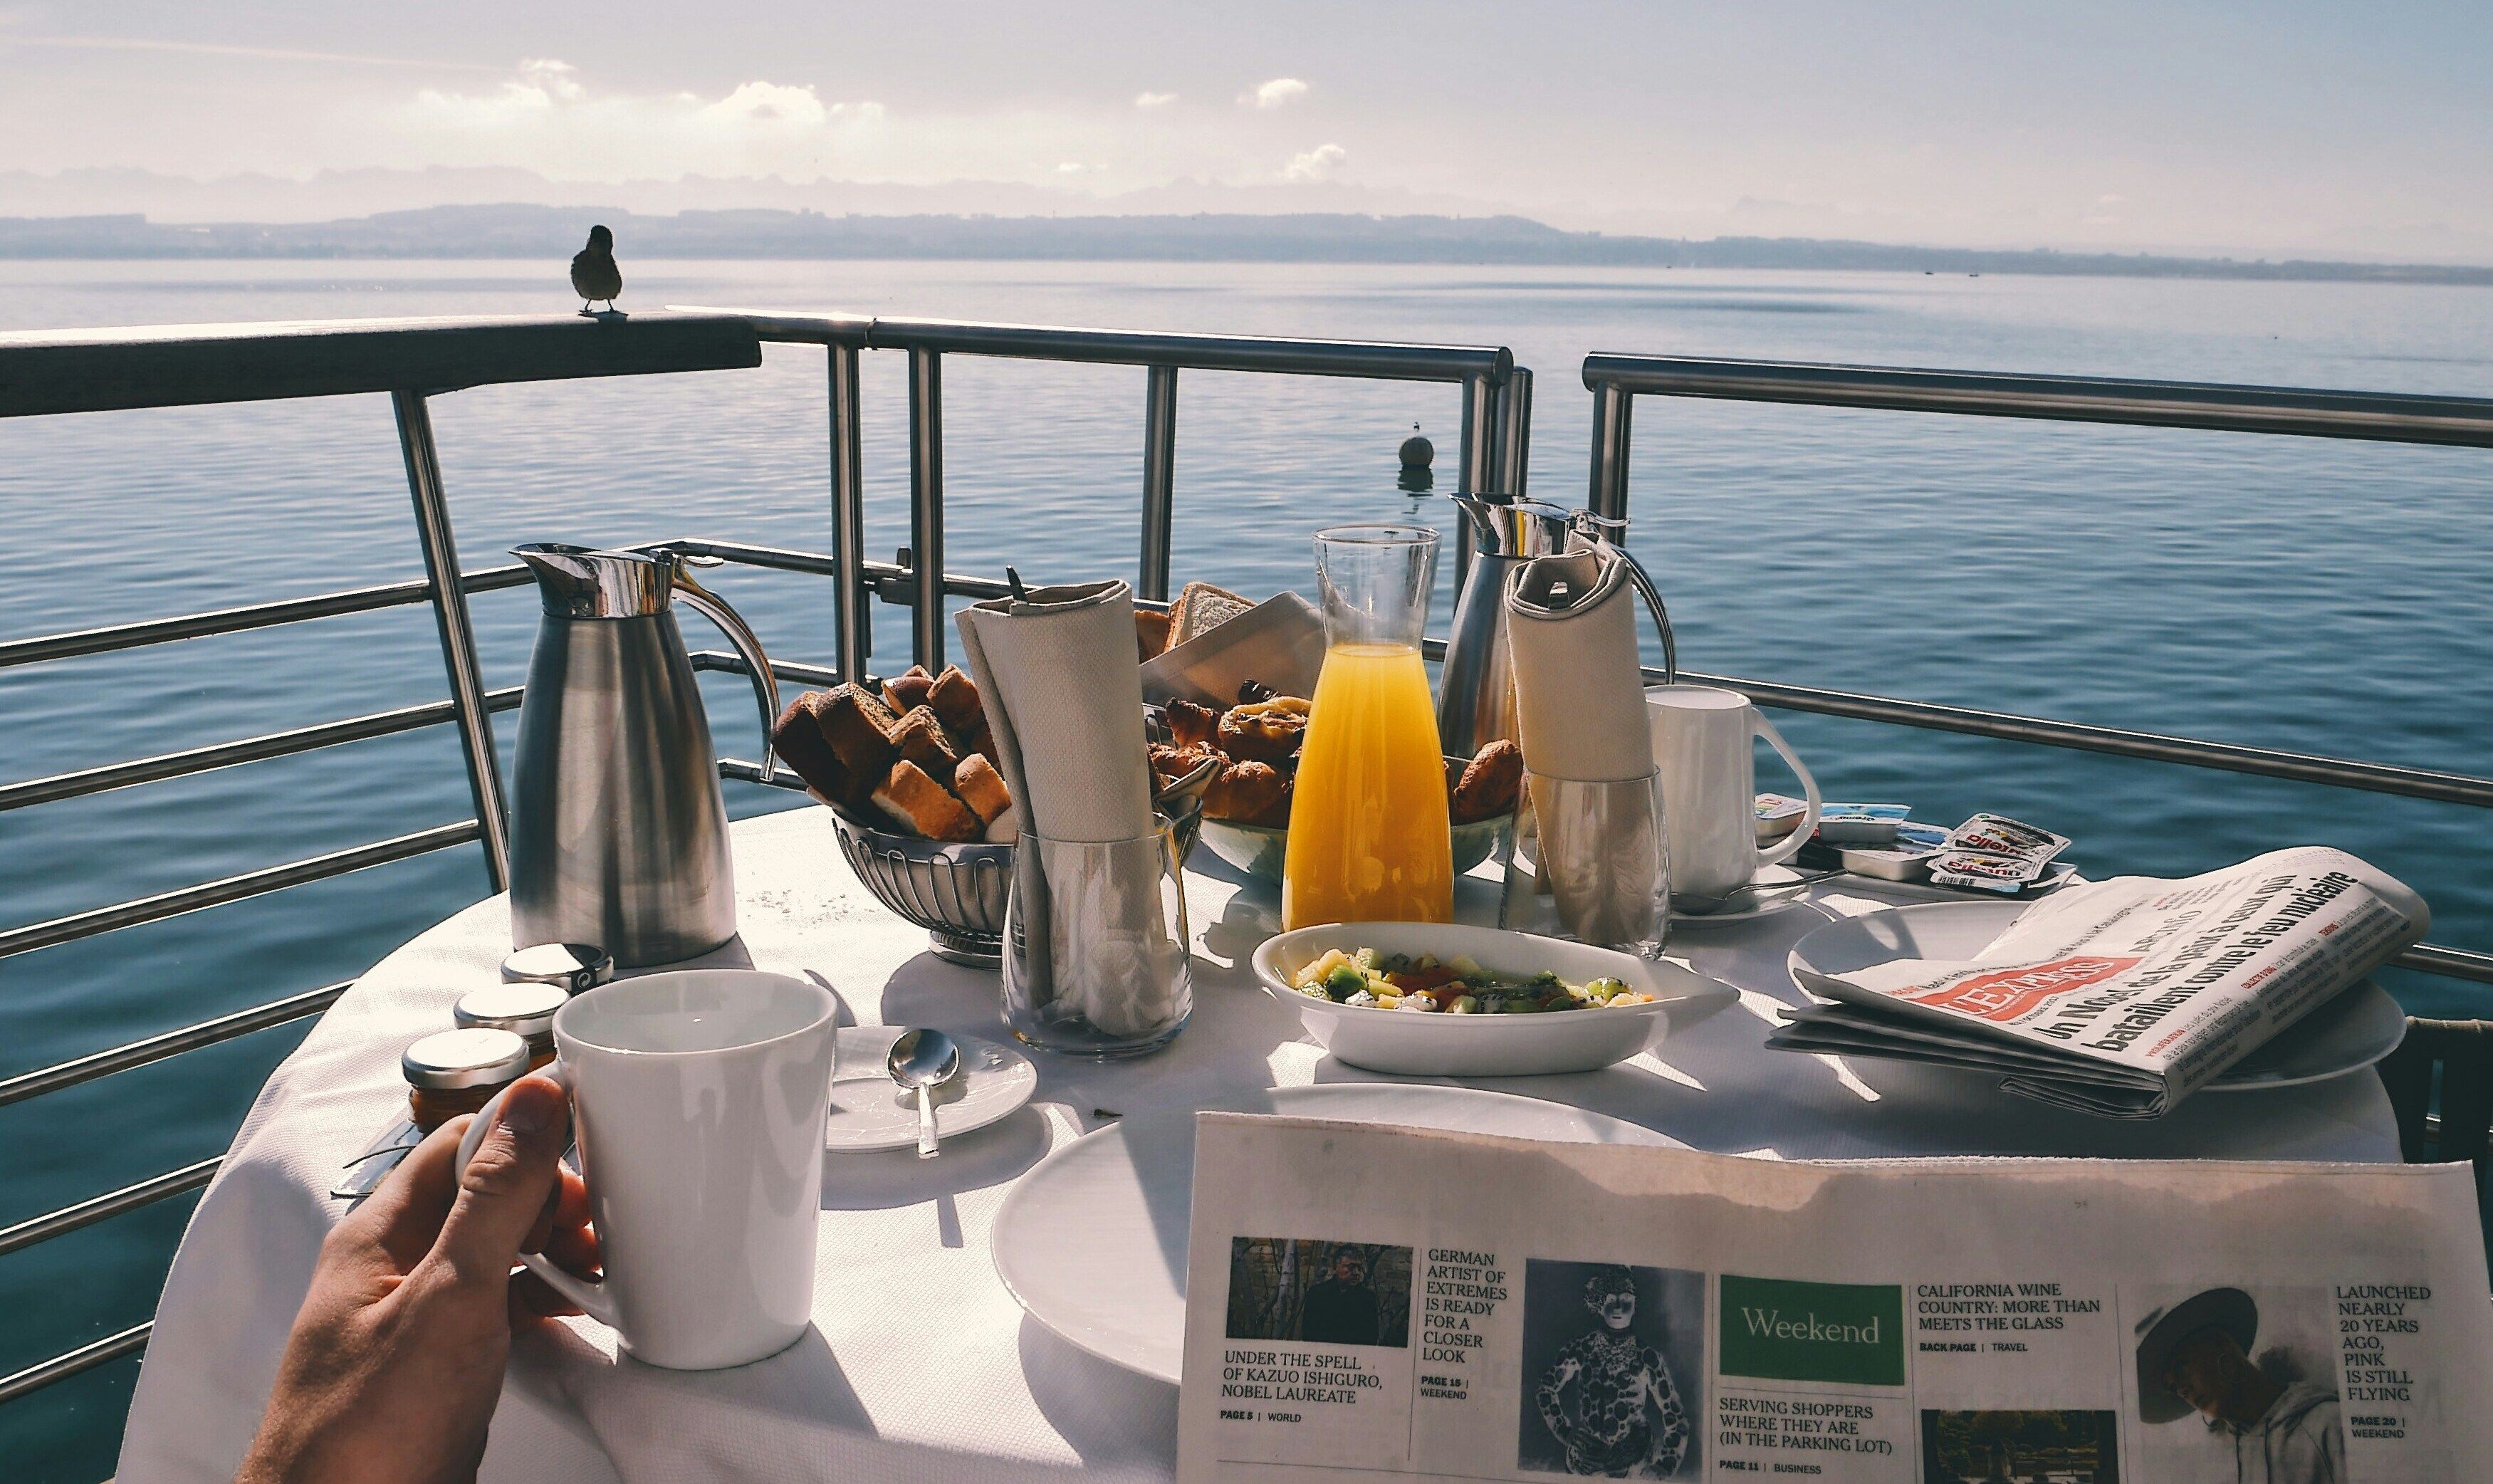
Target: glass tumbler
x=1096 y=946
x=1591 y=862
x=1368 y=838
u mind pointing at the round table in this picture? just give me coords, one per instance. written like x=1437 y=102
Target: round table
x=920 y=1365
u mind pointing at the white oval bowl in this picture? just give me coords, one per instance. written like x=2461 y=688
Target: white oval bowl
x=1419 y=1043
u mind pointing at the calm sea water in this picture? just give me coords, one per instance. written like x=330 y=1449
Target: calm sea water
x=2329 y=597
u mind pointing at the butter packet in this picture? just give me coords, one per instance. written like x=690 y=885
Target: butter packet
x=1994 y=852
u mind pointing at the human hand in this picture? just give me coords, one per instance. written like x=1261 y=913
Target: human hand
x=395 y=1362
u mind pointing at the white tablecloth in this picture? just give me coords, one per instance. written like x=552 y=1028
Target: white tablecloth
x=922 y=1367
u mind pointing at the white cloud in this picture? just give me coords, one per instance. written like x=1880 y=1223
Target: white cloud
x=1317 y=163
x=1275 y=93
x=547 y=118
x=1154 y=100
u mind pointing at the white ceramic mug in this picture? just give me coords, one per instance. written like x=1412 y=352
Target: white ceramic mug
x=1710 y=790
x=698 y=1097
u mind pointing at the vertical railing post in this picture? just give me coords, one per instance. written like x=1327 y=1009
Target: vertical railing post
x=1476 y=461
x=1515 y=432
x=457 y=634
x=926 y=504
x=1159 y=479
x=851 y=612
x=1608 y=495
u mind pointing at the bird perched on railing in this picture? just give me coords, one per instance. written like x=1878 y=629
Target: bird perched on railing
x=594 y=272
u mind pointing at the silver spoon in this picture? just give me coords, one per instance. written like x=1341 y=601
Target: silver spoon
x=924 y=1060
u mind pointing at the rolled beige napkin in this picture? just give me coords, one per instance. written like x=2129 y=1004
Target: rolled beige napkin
x=1062 y=697
x=1578 y=687
x=1064 y=702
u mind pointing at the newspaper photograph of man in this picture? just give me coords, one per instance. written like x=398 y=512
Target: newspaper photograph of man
x=1322 y=1292
x=1606 y=1349
x=2020 y=1447
x=2237 y=1387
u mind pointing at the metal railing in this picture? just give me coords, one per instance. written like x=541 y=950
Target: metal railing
x=413 y=360
x=1617 y=381
x=47 y=373
x=1491 y=450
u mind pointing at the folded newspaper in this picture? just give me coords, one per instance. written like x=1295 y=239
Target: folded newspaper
x=2122 y=997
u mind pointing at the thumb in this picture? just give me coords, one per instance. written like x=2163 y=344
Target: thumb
x=504 y=1188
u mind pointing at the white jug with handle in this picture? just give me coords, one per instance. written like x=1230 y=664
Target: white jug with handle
x=1709 y=788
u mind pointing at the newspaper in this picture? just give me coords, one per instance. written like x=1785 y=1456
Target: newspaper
x=1386 y=1303
x=2122 y=997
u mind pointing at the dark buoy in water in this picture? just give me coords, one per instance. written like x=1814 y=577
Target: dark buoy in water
x=1418 y=453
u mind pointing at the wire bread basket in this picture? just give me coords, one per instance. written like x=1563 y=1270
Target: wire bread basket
x=956 y=891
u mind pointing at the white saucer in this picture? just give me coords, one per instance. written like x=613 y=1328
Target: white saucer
x=2348 y=1033
x=1762 y=890
x=868 y=1111
x=1092 y=1241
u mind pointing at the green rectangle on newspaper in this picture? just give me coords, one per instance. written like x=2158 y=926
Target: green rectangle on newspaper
x=1781 y=1330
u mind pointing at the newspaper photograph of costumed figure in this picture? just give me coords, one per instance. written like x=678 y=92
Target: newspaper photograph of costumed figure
x=1605 y=1350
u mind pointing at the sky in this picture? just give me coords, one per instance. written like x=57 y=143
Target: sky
x=2269 y=128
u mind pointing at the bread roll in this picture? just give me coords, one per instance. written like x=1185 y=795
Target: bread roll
x=981 y=788
x=920 y=805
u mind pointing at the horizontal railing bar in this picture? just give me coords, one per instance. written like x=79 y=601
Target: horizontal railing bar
x=2382 y=416
x=751 y=773
x=2449 y=962
x=233 y=889
x=1384 y=360
x=250 y=749
x=234 y=620
x=728 y=662
x=44 y=372
x=2154 y=746
x=154 y=1049
x=87 y=1213
x=828 y=327
x=86 y=1357
x=2263 y=762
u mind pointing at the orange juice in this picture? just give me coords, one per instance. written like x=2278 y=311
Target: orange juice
x=1368 y=840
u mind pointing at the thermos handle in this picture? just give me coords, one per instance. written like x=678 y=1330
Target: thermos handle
x=592 y=1296
x=1602 y=530
x=766 y=684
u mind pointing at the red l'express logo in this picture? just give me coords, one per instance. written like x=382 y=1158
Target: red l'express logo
x=2010 y=993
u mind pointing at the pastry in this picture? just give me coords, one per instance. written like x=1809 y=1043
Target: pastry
x=922 y=740
x=1191 y=725
x=1489 y=784
x=955 y=699
x=858 y=727
x=1199 y=609
x=1243 y=791
x=1151 y=633
x=981 y=788
x=1276 y=813
x=1170 y=764
x=1267 y=732
x=798 y=739
x=921 y=805
x=907 y=691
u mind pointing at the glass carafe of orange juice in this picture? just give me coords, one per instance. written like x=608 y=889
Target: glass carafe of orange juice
x=1368 y=840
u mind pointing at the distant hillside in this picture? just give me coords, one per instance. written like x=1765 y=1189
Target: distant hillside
x=555 y=231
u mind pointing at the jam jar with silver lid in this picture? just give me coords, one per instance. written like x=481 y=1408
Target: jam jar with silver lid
x=450 y=1073
x=524 y=1009
x=575 y=966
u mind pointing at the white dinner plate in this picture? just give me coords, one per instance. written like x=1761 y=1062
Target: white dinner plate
x=2348 y=1033
x=1092 y=1241
x=1419 y=1043
x=868 y=1111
